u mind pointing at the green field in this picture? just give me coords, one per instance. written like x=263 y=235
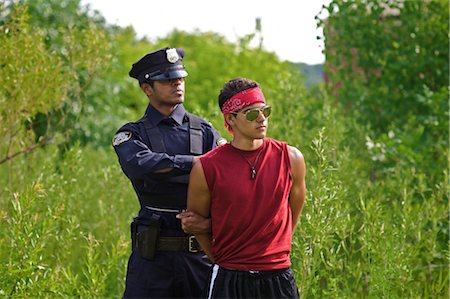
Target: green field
x=376 y=218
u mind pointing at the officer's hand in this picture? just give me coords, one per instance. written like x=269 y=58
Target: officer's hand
x=193 y=223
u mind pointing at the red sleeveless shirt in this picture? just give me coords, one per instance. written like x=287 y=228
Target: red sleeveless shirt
x=251 y=218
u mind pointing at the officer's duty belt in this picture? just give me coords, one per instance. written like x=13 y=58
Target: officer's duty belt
x=178 y=244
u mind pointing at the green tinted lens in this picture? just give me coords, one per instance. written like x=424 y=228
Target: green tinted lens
x=251 y=115
x=266 y=111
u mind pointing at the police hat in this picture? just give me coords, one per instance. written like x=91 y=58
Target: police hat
x=162 y=64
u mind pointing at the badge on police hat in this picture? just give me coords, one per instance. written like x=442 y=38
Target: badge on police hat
x=172 y=55
x=121 y=137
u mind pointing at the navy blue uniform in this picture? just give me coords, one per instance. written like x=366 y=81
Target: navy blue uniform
x=170 y=273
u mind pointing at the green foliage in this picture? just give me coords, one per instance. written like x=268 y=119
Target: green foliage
x=45 y=69
x=399 y=50
x=68 y=237
x=392 y=76
x=359 y=238
x=32 y=80
x=112 y=98
x=375 y=223
x=71 y=46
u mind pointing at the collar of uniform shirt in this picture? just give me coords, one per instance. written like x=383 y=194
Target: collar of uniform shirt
x=156 y=116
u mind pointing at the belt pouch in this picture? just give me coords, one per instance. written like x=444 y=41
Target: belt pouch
x=133 y=228
x=147 y=237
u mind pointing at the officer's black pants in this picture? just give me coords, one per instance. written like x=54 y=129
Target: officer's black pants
x=174 y=274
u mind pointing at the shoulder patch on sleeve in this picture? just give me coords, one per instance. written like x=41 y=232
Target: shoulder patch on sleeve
x=121 y=137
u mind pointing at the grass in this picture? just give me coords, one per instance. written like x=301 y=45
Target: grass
x=64 y=219
x=64 y=231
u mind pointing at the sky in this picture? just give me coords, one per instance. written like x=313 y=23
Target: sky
x=288 y=26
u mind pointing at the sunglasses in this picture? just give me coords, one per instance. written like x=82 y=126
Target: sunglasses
x=252 y=114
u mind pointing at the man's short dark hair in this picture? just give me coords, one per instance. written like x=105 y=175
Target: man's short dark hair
x=234 y=86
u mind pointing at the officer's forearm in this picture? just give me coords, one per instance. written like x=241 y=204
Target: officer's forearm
x=137 y=160
x=184 y=164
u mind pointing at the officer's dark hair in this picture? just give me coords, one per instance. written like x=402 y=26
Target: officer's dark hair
x=234 y=86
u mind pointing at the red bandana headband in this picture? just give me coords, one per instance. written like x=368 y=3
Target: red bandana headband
x=241 y=100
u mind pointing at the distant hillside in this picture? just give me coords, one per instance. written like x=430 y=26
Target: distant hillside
x=312 y=72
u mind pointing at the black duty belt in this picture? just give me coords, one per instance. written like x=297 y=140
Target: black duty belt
x=147 y=239
x=178 y=244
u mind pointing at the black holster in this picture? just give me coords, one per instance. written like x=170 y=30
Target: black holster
x=144 y=237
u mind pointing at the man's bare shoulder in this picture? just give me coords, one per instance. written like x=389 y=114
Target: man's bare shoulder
x=298 y=165
x=295 y=154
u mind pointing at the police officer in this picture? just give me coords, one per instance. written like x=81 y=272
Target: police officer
x=157 y=153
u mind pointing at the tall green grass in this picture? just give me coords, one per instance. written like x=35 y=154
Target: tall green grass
x=362 y=236
x=64 y=218
x=64 y=228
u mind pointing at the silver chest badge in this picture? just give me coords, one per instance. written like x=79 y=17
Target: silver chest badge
x=172 y=55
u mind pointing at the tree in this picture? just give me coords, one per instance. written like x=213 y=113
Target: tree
x=387 y=62
x=33 y=82
x=48 y=61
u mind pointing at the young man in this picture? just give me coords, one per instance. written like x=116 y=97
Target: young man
x=156 y=153
x=253 y=188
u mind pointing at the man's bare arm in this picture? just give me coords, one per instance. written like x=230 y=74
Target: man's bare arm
x=298 y=190
x=199 y=202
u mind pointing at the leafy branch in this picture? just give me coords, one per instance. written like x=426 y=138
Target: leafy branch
x=42 y=142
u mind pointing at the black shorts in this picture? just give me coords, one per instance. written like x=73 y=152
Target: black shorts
x=228 y=283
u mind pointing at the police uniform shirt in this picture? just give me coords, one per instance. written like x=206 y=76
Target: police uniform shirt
x=139 y=161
